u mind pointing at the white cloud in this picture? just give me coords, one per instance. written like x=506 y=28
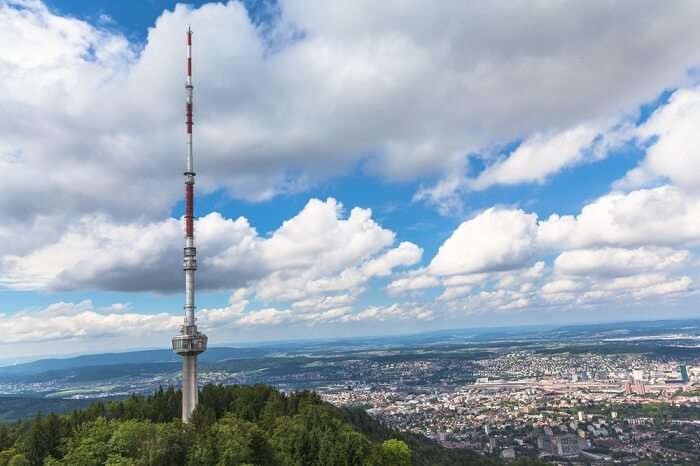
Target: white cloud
x=412 y=282
x=520 y=280
x=83 y=322
x=308 y=98
x=324 y=302
x=621 y=246
x=645 y=287
x=269 y=316
x=678 y=285
x=218 y=317
x=617 y=234
x=404 y=255
x=318 y=252
x=451 y=293
x=543 y=155
x=497 y=239
x=492 y=300
x=611 y=262
x=634 y=282
x=514 y=279
x=96 y=253
x=561 y=286
x=394 y=311
x=658 y=216
x=673 y=142
x=71 y=321
x=318 y=237
x=313 y=95
x=311 y=315
x=463 y=280
x=538 y=157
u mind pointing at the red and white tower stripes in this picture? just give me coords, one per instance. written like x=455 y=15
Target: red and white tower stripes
x=190 y=262
x=190 y=342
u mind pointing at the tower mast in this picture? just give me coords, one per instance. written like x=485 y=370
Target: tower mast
x=190 y=342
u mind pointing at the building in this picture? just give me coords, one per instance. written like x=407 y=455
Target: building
x=637 y=386
x=492 y=445
x=684 y=373
x=567 y=445
x=560 y=445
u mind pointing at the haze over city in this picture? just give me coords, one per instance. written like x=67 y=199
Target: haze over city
x=363 y=168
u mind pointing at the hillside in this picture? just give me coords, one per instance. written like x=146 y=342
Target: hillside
x=234 y=425
x=158 y=356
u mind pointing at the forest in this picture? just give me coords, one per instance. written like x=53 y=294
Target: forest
x=233 y=425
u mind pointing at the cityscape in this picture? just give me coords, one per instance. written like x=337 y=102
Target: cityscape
x=585 y=398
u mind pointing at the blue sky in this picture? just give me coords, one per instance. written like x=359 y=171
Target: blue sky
x=358 y=172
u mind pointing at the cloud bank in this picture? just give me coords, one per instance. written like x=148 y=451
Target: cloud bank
x=401 y=91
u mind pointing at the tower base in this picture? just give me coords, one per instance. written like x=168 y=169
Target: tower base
x=189 y=386
x=188 y=344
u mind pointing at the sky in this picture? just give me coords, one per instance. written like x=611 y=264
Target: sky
x=363 y=168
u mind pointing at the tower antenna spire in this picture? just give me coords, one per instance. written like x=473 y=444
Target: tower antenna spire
x=190 y=342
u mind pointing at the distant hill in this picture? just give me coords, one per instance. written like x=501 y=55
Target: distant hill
x=132 y=357
x=488 y=337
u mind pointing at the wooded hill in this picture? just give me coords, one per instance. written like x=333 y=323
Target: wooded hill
x=233 y=425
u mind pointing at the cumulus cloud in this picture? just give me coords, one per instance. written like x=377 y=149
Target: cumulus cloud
x=535 y=160
x=665 y=287
x=83 y=322
x=412 y=282
x=312 y=94
x=451 y=293
x=72 y=321
x=394 y=311
x=489 y=69
x=538 y=157
x=672 y=153
x=611 y=262
x=317 y=236
x=319 y=253
x=557 y=287
x=96 y=253
x=94 y=113
x=405 y=254
x=319 y=259
x=344 y=314
x=502 y=290
x=490 y=300
x=627 y=244
x=661 y=216
x=620 y=246
x=324 y=302
x=626 y=289
x=496 y=239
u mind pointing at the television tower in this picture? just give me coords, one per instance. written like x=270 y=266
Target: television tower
x=190 y=342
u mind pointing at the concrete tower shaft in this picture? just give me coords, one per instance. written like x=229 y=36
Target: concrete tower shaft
x=190 y=342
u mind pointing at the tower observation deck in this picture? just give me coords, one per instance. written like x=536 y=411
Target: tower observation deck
x=190 y=342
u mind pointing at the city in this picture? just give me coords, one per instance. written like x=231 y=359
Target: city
x=580 y=399
x=538 y=404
